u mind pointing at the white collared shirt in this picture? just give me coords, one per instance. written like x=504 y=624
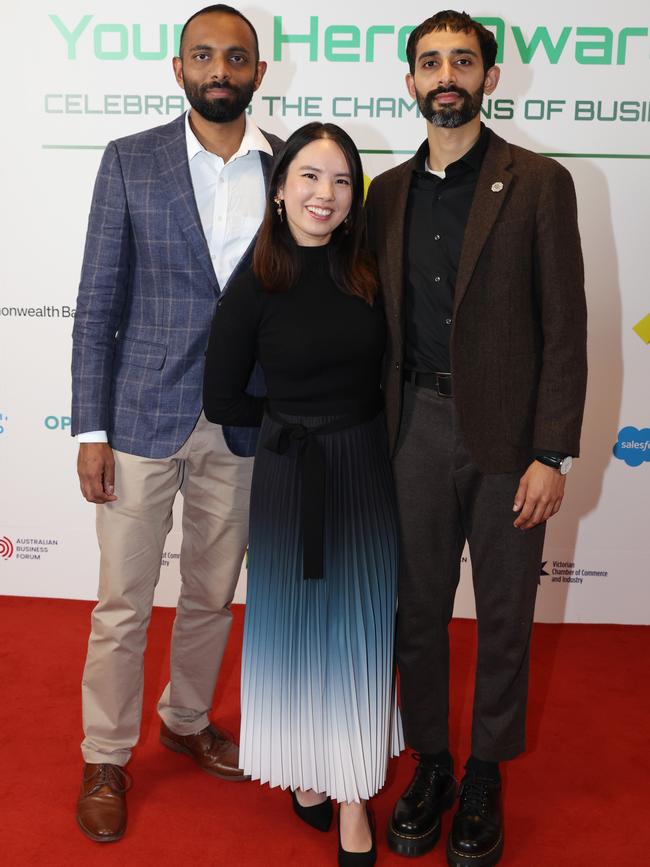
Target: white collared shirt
x=230 y=198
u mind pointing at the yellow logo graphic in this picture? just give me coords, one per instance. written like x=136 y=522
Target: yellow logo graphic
x=642 y=328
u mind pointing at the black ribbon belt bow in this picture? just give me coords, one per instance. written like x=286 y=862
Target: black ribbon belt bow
x=311 y=464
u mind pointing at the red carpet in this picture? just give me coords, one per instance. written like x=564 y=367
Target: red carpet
x=579 y=797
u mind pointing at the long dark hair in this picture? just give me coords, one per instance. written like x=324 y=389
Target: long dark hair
x=276 y=262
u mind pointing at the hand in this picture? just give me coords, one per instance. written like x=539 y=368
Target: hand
x=96 y=469
x=539 y=495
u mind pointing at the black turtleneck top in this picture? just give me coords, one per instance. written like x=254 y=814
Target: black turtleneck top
x=320 y=348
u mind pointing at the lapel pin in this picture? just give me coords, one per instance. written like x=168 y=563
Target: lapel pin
x=496 y=187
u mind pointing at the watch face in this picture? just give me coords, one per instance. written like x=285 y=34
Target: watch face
x=566 y=465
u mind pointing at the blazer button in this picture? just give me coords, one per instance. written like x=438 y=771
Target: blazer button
x=397 y=365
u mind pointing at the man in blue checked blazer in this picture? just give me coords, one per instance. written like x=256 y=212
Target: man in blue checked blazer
x=173 y=219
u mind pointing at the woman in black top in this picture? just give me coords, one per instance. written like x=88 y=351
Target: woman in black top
x=319 y=714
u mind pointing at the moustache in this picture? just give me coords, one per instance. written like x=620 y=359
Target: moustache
x=215 y=85
x=432 y=94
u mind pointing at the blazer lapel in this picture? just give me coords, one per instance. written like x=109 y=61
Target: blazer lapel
x=395 y=209
x=267 y=165
x=491 y=192
x=175 y=174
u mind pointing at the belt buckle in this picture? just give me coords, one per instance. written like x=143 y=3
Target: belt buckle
x=446 y=379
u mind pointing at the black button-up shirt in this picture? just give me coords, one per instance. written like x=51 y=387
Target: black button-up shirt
x=436 y=216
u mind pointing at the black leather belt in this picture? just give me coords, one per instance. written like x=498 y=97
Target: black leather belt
x=440 y=382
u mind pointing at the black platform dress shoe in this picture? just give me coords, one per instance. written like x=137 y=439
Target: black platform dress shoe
x=476 y=838
x=358 y=859
x=414 y=827
x=319 y=816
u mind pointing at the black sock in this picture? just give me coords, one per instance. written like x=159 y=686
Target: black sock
x=443 y=759
x=485 y=770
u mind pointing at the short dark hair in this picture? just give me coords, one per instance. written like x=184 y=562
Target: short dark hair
x=225 y=10
x=276 y=262
x=455 y=22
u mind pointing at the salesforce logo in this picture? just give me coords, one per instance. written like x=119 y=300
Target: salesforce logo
x=633 y=446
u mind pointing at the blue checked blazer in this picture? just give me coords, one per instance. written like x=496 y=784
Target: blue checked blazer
x=147 y=295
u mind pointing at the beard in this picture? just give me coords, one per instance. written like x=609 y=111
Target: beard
x=448 y=116
x=219 y=110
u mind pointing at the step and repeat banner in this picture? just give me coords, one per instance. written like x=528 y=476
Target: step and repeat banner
x=573 y=85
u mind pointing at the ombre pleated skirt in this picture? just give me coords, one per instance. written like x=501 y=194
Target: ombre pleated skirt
x=318 y=698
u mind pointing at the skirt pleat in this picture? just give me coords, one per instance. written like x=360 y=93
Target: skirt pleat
x=319 y=707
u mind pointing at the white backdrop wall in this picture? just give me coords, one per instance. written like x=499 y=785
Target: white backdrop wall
x=574 y=85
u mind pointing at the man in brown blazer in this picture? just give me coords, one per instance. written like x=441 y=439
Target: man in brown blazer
x=479 y=256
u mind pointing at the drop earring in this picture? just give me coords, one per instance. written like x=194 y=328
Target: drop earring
x=278 y=207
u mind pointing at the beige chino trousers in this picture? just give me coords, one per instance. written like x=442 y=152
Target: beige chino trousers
x=215 y=485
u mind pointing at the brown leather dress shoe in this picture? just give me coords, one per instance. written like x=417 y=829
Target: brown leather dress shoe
x=212 y=750
x=101 y=808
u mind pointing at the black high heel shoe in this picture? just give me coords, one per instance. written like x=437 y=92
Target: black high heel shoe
x=358 y=859
x=319 y=816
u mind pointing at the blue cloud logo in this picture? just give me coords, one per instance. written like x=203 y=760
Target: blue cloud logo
x=633 y=446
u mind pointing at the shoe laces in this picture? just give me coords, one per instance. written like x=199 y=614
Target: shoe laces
x=474 y=795
x=425 y=778
x=113 y=776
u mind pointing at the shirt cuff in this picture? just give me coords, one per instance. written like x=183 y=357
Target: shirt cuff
x=93 y=436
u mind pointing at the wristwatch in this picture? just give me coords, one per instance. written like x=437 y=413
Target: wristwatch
x=558 y=463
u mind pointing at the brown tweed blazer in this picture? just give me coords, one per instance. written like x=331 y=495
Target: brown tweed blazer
x=518 y=341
